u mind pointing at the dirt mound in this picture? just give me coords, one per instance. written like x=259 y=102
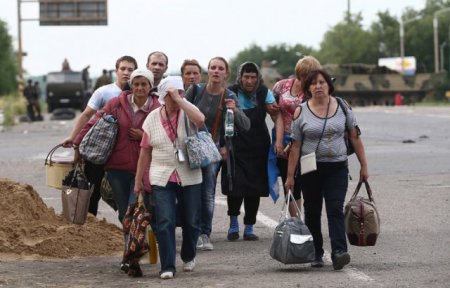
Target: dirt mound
x=31 y=230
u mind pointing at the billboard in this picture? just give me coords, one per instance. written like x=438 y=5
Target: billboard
x=407 y=66
x=73 y=12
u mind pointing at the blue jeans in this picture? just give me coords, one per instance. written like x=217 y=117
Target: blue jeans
x=122 y=185
x=329 y=182
x=209 y=175
x=166 y=198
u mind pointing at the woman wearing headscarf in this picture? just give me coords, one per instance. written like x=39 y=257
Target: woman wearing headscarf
x=320 y=128
x=163 y=148
x=248 y=152
x=130 y=109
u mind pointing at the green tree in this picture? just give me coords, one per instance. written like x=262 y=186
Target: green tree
x=386 y=34
x=348 y=42
x=8 y=67
x=282 y=57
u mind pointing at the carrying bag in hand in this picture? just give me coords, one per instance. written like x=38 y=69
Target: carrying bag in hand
x=292 y=242
x=76 y=196
x=201 y=149
x=362 y=221
x=98 y=143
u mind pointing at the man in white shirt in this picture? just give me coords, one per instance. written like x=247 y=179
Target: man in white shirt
x=125 y=65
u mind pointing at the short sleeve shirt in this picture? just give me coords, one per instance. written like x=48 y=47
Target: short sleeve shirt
x=308 y=127
x=102 y=95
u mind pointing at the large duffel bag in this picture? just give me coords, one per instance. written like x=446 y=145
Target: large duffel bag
x=362 y=221
x=292 y=242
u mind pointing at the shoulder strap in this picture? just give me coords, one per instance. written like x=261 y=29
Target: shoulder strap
x=215 y=126
x=344 y=105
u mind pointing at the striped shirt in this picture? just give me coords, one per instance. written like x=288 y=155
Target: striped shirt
x=307 y=129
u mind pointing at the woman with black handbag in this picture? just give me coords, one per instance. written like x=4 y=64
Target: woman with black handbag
x=318 y=133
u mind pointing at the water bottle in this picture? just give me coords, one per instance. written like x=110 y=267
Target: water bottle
x=229 y=123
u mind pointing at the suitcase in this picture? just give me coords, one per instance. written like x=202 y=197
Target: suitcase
x=362 y=221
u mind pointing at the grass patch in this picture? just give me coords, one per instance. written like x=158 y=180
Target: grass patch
x=11 y=105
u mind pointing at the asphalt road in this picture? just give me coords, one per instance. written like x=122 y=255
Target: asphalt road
x=408 y=151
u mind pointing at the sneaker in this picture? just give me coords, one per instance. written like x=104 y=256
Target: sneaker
x=166 y=275
x=207 y=245
x=340 y=259
x=200 y=242
x=189 y=266
x=124 y=266
x=317 y=263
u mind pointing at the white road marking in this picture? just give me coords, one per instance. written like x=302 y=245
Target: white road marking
x=270 y=223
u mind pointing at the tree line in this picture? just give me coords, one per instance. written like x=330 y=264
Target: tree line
x=8 y=63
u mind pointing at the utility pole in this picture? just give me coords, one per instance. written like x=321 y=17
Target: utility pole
x=402 y=40
x=435 y=37
x=20 y=50
x=348 y=10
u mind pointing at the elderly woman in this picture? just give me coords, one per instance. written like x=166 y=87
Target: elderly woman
x=163 y=148
x=320 y=128
x=130 y=109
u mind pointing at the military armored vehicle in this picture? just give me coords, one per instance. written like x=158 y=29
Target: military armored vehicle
x=362 y=84
x=67 y=89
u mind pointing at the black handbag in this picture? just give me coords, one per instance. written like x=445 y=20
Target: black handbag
x=292 y=242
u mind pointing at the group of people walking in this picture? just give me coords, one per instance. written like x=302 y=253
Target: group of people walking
x=149 y=157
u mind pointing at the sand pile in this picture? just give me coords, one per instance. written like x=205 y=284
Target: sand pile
x=31 y=230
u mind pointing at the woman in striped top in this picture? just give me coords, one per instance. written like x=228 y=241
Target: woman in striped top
x=320 y=128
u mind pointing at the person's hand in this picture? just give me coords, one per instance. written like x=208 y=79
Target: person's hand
x=77 y=156
x=230 y=104
x=363 y=174
x=173 y=93
x=68 y=142
x=223 y=152
x=138 y=187
x=289 y=184
x=272 y=108
x=135 y=134
x=279 y=148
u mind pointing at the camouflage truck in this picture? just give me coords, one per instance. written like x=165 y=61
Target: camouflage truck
x=362 y=84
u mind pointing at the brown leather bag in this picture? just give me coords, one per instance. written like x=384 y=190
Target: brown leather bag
x=362 y=221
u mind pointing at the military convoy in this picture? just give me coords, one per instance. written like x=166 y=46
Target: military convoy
x=362 y=84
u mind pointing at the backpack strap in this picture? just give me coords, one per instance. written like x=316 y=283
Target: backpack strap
x=220 y=109
x=345 y=107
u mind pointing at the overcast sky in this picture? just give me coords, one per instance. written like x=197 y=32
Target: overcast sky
x=199 y=29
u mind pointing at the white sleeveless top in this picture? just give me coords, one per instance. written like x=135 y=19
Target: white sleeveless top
x=164 y=160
